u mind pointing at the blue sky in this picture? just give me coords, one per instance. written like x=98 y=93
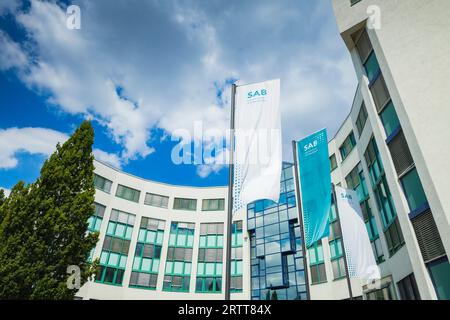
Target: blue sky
x=143 y=70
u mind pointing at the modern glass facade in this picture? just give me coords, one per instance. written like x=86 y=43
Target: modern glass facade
x=276 y=255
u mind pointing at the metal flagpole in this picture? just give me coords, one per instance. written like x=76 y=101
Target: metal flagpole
x=230 y=198
x=349 y=284
x=300 y=218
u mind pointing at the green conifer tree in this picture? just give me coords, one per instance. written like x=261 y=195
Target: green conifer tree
x=44 y=227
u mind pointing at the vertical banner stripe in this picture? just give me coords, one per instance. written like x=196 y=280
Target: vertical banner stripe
x=315 y=185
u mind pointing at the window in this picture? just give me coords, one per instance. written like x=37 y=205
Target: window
x=236 y=257
x=115 y=248
x=361 y=120
x=347 y=146
x=185 y=204
x=333 y=162
x=363 y=46
x=394 y=237
x=392 y=231
x=440 y=275
x=372 y=67
x=389 y=119
x=209 y=267
x=95 y=221
x=413 y=190
x=156 y=200
x=213 y=204
x=102 y=183
x=373 y=161
x=179 y=257
x=385 y=293
x=401 y=156
x=147 y=254
x=408 y=288
x=127 y=193
x=276 y=255
x=316 y=263
x=335 y=243
x=380 y=93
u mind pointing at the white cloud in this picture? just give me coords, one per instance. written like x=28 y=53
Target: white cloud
x=11 y=55
x=30 y=140
x=135 y=66
x=109 y=158
x=6 y=191
x=39 y=141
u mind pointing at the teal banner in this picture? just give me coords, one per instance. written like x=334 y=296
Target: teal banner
x=315 y=185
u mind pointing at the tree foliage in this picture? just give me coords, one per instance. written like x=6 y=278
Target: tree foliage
x=43 y=226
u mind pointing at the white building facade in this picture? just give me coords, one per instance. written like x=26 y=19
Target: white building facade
x=160 y=241
x=396 y=141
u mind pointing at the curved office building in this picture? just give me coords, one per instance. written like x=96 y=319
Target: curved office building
x=160 y=241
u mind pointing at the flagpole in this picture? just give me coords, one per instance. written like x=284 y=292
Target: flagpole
x=230 y=198
x=349 y=284
x=300 y=218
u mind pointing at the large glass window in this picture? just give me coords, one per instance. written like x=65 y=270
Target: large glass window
x=372 y=67
x=275 y=245
x=156 y=200
x=316 y=263
x=95 y=221
x=385 y=204
x=347 y=146
x=102 y=183
x=408 y=288
x=185 y=204
x=115 y=248
x=440 y=274
x=213 y=204
x=362 y=119
x=148 y=254
x=333 y=162
x=236 y=257
x=389 y=119
x=413 y=190
x=127 y=193
x=179 y=257
x=210 y=256
x=335 y=244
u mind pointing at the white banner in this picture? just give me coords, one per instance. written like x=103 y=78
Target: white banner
x=360 y=258
x=258 y=155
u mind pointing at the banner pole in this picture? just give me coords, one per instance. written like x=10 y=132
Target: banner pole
x=230 y=198
x=300 y=218
x=349 y=284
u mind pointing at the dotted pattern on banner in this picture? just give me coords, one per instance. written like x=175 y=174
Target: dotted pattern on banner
x=351 y=266
x=320 y=137
x=237 y=184
x=306 y=225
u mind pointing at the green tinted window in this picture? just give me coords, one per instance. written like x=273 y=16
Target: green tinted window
x=389 y=119
x=372 y=67
x=413 y=190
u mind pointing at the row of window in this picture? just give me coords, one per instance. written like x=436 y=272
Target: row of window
x=157 y=200
x=146 y=262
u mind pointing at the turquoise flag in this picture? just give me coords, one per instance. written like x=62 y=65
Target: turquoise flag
x=315 y=185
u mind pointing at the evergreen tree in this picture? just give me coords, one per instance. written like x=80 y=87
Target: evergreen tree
x=44 y=227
